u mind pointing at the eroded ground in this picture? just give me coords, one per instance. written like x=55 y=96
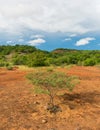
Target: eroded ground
x=21 y=109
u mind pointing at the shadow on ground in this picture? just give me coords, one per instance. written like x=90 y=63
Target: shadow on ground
x=80 y=99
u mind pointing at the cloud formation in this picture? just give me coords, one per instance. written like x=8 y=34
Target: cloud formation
x=74 y=16
x=84 y=41
x=67 y=39
x=37 y=36
x=36 y=42
x=73 y=35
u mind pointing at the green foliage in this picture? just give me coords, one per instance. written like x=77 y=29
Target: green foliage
x=9 y=67
x=2 y=64
x=32 y=57
x=50 y=69
x=5 y=50
x=37 y=59
x=52 y=79
x=40 y=90
x=89 y=62
x=50 y=82
x=24 y=49
x=2 y=61
x=19 y=59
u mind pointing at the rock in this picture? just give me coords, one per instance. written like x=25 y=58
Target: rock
x=35 y=95
x=36 y=103
x=44 y=121
x=34 y=115
x=54 y=109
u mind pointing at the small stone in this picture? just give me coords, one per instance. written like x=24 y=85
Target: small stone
x=36 y=103
x=45 y=107
x=78 y=100
x=44 y=121
x=35 y=95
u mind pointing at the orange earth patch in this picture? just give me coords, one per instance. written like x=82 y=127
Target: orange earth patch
x=21 y=109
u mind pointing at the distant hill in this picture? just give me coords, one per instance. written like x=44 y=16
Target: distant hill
x=31 y=56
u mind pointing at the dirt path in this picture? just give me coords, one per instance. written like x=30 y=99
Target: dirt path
x=20 y=109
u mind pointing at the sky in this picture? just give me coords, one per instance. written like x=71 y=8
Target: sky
x=51 y=24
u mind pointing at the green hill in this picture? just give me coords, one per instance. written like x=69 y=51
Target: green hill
x=31 y=56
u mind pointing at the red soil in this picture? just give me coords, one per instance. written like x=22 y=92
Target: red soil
x=20 y=109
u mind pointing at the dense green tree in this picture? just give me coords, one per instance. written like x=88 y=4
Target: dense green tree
x=37 y=58
x=89 y=62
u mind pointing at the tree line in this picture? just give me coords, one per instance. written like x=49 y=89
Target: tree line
x=33 y=57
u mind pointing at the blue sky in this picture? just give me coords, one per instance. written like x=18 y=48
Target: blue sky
x=50 y=24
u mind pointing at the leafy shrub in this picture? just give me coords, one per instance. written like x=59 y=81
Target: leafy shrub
x=89 y=62
x=9 y=67
x=37 y=59
x=50 y=82
x=19 y=60
x=49 y=69
x=2 y=64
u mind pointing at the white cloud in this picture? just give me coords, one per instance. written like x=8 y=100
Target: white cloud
x=84 y=41
x=37 y=36
x=67 y=39
x=36 y=42
x=73 y=35
x=74 y=16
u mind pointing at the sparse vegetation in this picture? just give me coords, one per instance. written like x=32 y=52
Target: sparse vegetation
x=50 y=82
x=20 y=108
x=9 y=67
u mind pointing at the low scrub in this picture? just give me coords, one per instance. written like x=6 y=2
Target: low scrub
x=9 y=67
x=50 y=82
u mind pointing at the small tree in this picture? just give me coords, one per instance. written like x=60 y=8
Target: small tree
x=50 y=82
x=89 y=62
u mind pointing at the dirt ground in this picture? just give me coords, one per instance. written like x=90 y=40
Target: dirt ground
x=21 y=109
